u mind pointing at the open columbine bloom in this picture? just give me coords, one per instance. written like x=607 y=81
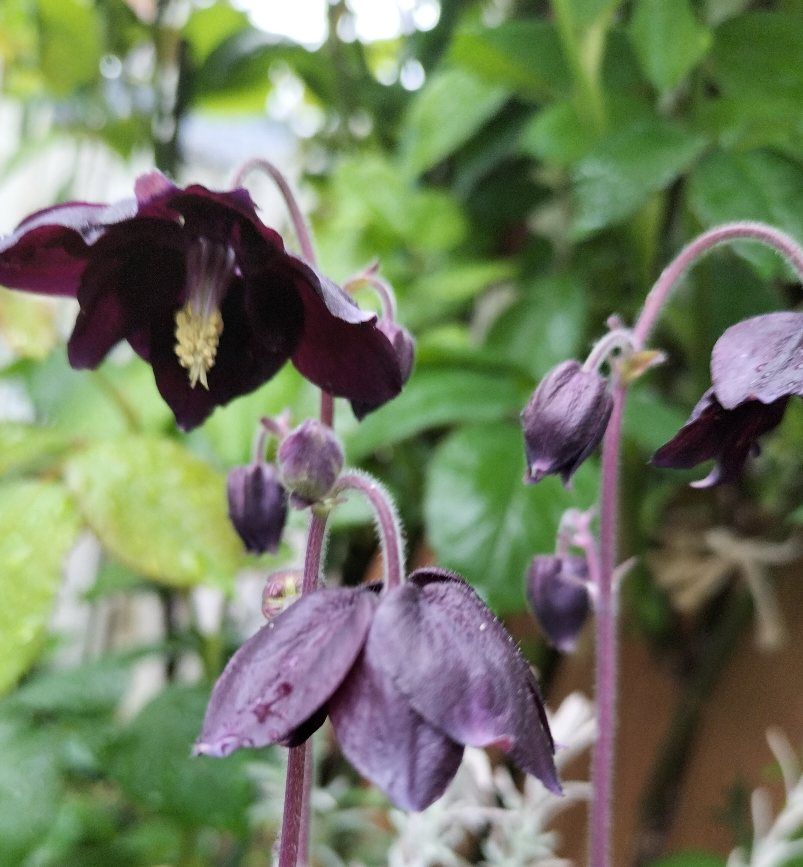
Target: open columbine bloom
x=408 y=676
x=756 y=366
x=203 y=291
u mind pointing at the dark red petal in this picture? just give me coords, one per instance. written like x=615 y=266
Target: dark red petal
x=461 y=670
x=286 y=672
x=341 y=349
x=388 y=742
x=729 y=435
x=759 y=359
x=49 y=249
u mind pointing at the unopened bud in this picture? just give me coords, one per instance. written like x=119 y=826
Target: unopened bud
x=564 y=421
x=257 y=506
x=281 y=591
x=557 y=592
x=310 y=460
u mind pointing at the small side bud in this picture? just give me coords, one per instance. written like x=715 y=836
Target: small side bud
x=257 y=506
x=557 y=592
x=310 y=460
x=564 y=421
x=281 y=590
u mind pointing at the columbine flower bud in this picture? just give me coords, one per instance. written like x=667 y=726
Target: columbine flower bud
x=310 y=460
x=564 y=421
x=557 y=592
x=281 y=590
x=257 y=506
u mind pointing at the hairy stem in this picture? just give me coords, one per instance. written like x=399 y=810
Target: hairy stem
x=387 y=519
x=293 y=829
x=764 y=234
x=299 y=223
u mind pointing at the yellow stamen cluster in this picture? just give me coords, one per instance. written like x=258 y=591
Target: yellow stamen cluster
x=197 y=337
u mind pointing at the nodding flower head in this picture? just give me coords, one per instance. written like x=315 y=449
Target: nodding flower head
x=564 y=421
x=756 y=367
x=408 y=676
x=257 y=506
x=204 y=292
x=557 y=592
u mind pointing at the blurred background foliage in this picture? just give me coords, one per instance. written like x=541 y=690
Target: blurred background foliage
x=521 y=170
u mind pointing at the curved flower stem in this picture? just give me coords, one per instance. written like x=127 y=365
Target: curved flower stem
x=764 y=234
x=381 y=287
x=295 y=832
x=607 y=603
x=619 y=338
x=299 y=223
x=387 y=520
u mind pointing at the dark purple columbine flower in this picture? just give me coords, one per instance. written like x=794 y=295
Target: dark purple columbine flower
x=756 y=366
x=564 y=421
x=257 y=506
x=310 y=459
x=408 y=676
x=204 y=292
x=557 y=591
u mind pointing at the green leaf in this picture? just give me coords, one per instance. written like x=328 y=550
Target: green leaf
x=208 y=26
x=444 y=114
x=158 y=508
x=438 y=292
x=749 y=186
x=25 y=446
x=70 y=43
x=690 y=859
x=436 y=398
x=95 y=688
x=668 y=39
x=39 y=527
x=481 y=519
x=152 y=763
x=618 y=176
x=649 y=421
x=30 y=790
x=758 y=55
x=557 y=135
x=544 y=327
x=525 y=56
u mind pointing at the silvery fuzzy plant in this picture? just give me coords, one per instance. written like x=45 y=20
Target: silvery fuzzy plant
x=413 y=670
x=756 y=369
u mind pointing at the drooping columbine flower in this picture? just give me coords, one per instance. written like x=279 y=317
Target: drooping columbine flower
x=557 y=592
x=756 y=366
x=408 y=676
x=204 y=292
x=564 y=421
x=257 y=506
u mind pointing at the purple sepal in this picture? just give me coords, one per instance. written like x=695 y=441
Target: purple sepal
x=564 y=421
x=281 y=678
x=459 y=668
x=759 y=359
x=411 y=761
x=257 y=506
x=557 y=592
x=728 y=435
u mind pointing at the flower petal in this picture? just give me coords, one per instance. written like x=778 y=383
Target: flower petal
x=461 y=670
x=285 y=673
x=49 y=249
x=411 y=761
x=341 y=348
x=729 y=435
x=759 y=359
